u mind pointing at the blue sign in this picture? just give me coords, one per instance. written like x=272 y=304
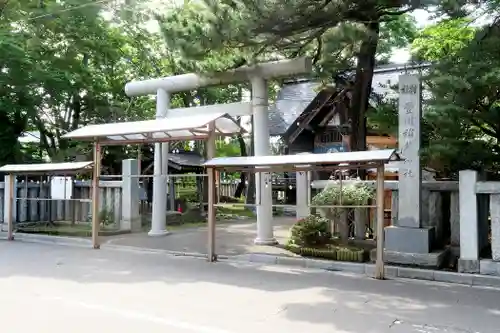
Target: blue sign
x=334 y=147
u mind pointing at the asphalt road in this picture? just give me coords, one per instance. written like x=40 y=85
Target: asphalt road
x=57 y=289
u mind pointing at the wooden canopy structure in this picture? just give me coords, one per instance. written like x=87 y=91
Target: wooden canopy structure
x=303 y=162
x=158 y=130
x=194 y=127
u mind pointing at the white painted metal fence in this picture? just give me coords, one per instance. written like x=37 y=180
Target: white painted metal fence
x=32 y=210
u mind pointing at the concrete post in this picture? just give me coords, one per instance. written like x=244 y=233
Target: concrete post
x=455 y=219
x=469 y=231
x=130 y=196
x=160 y=188
x=302 y=192
x=7 y=201
x=495 y=226
x=265 y=235
x=165 y=147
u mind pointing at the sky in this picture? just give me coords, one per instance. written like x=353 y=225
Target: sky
x=422 y=19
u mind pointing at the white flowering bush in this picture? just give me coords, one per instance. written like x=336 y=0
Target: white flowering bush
x=349 y=194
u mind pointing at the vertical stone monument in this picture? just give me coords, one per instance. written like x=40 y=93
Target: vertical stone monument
x=408 y=235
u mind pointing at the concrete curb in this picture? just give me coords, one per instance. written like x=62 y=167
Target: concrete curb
x=369 y=270
x=262 y=258
x=45 y=239
x=87 y=243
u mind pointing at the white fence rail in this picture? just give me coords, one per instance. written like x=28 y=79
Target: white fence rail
x=32 y=210
x=480 y=224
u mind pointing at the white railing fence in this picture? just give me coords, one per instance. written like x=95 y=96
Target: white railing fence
x=465 y=214
x=479 y=224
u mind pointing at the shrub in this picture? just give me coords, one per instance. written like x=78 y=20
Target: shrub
x=188 y=194
x=310 y=231
x=106 y=217
x=350 y=194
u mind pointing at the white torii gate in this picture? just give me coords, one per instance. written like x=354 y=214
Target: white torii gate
x=258 y=76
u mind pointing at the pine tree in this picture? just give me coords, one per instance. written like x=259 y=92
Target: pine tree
x=337 y=34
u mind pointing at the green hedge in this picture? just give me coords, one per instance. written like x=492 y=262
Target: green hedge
x=330 y=253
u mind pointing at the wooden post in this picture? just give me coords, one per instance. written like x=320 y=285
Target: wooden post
x=212 y=197
x=95 y=196
x=379 y=265
x=211 y=215
x=139 y=161
x=12 y=202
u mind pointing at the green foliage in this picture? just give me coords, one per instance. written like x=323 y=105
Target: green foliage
x=464 y=109
x=351 y=194
x=188 y=194
x=310 y=231
x=63 y=66
x=227 y=148
x=226 y=34
x=444 y=39
x=461 y=106
x=106 y=217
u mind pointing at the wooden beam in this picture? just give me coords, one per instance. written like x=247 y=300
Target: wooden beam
x=10 y=215
x=379 y=264
x=212 y=196
x=381 y=140
x=212 y=256
x=308 y=118
x=95 y=196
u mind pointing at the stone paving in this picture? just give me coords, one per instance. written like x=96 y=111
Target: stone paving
x=232 y=238
x=52 y=289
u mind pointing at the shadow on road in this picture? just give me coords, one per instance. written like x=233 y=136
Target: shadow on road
x=345 y=301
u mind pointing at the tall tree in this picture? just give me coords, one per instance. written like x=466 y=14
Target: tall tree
x=338 y=34
x=65 y=65
x=461 y=113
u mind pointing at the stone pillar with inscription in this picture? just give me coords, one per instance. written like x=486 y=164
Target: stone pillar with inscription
x=409 y=235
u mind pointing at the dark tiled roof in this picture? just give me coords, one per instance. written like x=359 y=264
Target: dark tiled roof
x=293 y=98
x=186 y=159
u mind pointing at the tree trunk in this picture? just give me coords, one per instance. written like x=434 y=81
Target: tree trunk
x=343 y=224
x=250 y=197
x=243 y=152
x=362 y=87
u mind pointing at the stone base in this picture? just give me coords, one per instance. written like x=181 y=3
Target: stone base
x=489 y=267
x=468 y=266
x=409 y=240
x=130 y=226
x=267 y=241
x=158 y=233
x=434 y=259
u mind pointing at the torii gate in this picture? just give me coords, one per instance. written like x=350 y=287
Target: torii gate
x=258 y=76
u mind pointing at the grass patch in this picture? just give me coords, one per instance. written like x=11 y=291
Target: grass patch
x=64 y=229
x=235 y=210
